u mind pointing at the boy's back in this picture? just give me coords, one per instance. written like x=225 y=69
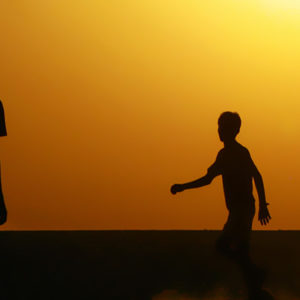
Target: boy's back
x=235 y=165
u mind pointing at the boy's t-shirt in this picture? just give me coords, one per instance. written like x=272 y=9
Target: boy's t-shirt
x=235 y=165
x=2 y=121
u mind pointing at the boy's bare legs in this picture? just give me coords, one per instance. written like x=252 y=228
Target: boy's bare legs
x=234 y=243
x=239 y=253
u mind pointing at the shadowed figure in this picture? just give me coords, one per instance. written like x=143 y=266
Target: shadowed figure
x=237 y=168
x=3 y=212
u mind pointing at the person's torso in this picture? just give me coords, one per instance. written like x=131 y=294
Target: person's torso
x=237 y=176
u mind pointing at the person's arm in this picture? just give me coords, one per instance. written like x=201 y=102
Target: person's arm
x=205 y=180
x=263 y=213
x=213 y=171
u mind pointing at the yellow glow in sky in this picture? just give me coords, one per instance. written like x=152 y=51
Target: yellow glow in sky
x=283 y=4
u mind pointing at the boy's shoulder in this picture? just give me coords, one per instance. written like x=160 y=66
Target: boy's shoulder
x=241 y=146
x=221 y=152
x=238 y=149
x=243 y=153
x=243 y=149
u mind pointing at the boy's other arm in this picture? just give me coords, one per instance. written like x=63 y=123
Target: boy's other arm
x=205 y=180
x=263 y=214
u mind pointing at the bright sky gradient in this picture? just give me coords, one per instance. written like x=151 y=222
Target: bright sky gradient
x=108 y=103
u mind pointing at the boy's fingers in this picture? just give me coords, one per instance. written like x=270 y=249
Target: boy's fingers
x=264 y=220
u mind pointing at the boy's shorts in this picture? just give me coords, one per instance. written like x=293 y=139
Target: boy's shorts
x=237 y=229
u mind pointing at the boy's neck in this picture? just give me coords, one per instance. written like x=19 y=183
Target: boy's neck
x=230 y=143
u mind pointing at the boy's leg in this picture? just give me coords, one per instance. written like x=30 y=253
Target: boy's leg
x=229 y=242
x=234 y=243
x=239 y=253
x=224 y=246
x=254 y=276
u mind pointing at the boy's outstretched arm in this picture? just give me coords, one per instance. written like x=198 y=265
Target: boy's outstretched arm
x=212 y=172
x=205 y=180
x=263 y=214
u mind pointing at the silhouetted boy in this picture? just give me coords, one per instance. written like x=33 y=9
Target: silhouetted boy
x=235 y=165
x=3 y=213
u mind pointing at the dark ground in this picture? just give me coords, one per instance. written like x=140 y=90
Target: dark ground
x=139 y=265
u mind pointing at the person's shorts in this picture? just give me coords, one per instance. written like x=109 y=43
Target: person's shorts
x=237 y=230
x=239 y=223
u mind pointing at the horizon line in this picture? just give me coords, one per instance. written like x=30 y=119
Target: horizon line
x=134 y=230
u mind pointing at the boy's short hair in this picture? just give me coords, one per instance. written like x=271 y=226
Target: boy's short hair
x=230 y=122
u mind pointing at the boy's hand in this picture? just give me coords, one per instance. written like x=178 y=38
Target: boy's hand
x=176 y=188
x=263 y=214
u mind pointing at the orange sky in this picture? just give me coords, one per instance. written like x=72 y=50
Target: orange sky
x=108 y=103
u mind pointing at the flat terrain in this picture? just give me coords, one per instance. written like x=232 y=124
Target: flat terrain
x=139 y=265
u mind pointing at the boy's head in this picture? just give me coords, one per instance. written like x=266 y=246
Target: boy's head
x=229 y=126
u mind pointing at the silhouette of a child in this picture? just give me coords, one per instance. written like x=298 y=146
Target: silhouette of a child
x=237 y=168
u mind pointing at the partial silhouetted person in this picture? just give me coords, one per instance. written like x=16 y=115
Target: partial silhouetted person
x=3 y=212
x=238 y=170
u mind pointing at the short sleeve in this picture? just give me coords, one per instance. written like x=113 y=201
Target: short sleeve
x=2 y=121
x=216 y=168
x=250 y=164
